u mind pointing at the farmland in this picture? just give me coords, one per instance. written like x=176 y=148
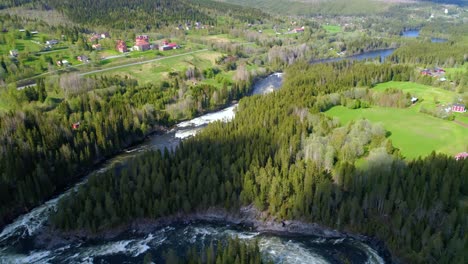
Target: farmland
x=429 y=97
x=154 y=71
x=332 y=28
x=415 y=134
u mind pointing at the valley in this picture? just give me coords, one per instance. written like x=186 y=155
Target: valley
x=233 y=131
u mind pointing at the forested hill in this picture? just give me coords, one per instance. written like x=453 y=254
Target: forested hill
x=332 y=7
x=148 y=14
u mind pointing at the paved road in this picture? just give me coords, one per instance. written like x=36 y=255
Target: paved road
x=141 y=62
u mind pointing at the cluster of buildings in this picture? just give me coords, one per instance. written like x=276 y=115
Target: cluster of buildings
x=142 y=43
x=96 y=36
x=436 y=72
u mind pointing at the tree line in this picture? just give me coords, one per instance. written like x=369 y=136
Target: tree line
x=448 y=54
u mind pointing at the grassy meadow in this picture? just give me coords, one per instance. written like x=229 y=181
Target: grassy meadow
x=415 y=134
x=332 y=28
x=429 y=97
x=157 y=70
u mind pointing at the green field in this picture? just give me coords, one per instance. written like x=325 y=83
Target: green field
x=20 y=45
x=155 y=71
x=429 y=97
x=415 y=134
x=332 y=28
x=426 y=92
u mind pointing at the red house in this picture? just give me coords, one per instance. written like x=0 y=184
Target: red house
x=121 y=46
x=459 y=108
x=168 y=46
x=426 y=72
x=142 y=43
x=76 y=125
x=462 y=155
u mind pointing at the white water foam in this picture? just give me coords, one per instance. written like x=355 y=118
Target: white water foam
x=33 y=257
x=183 y=134
x=29 y=223
x=242 y=235
x=373 y=256
x=338 y=241
x=278 y=250
x=319 y=240
x=288 y=252
x=269 y=84
x=129 y=247
x=225 y=115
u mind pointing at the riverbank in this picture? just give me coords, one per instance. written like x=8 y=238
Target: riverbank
x=247 y=217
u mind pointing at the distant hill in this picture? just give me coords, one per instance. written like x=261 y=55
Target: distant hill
x=147 y=14
x=306 y=7
x=330 y=7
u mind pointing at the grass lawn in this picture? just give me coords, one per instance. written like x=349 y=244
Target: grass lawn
x=427 y=95
x=155 y=71
x=20 y=45
x=415 y=134
x=332 y=28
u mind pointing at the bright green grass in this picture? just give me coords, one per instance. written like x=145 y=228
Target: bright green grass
x=214 y=81
x=156 y=71
x=419 y=90
x=332 y=28
x=20 y=45
x=429 y=96
x=415 y=134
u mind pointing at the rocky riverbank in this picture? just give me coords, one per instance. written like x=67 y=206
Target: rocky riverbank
x=248 y=217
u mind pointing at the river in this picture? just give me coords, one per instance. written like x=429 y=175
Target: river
x=18 y=241
x=381 y=54
x=414 y=33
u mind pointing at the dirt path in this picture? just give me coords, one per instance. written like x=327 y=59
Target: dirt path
x=461 y=123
